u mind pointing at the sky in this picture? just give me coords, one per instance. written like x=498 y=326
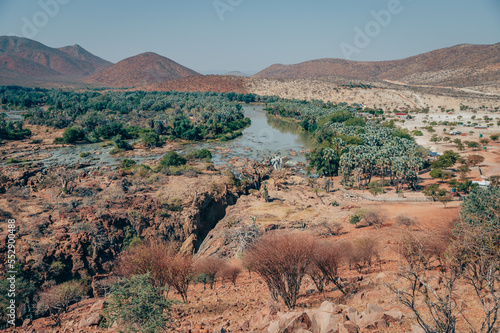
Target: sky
x=250 y=35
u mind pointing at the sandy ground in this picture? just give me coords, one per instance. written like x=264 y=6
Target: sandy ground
x=388 y=98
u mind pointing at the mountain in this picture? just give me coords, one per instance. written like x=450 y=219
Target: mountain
x=25 y=59
x=237 y=73
x=141 y=70
x=461 y=65
x=94 y=63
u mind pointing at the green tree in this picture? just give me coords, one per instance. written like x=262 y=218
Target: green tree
x=73 y=134
x=151 y=139
x=323 y=161
x=137 y=304
x=172 y=159
x=447 y=160
x=482 y=206
x=439 y=173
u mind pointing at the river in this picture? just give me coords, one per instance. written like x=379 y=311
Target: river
x=265 y=137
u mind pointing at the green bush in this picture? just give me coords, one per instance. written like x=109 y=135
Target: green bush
x=85 y=154
x=138 y=305
x=172 y=159
x=73 y=135
x=202 y=154
x=122 y=144
x=151 y=139
x=127 y=163
x=417 y=133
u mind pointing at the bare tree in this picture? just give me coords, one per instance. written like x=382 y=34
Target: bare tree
x=180 y=273
x=420 y=256
x=328 y=258
x=231 y=272
x=211 y=267
x=57 y=299
x=282 y=260
x=475 y=253
x=152 y=257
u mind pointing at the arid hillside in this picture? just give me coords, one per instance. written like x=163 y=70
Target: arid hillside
x=143 y=69
x=218 y=83
x=462 y=65
x=26 y=59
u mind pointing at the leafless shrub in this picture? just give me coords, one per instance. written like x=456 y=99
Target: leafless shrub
x=475 y=254
x=331 y=229
x=152 y=257
x=327 y=258
x=180 y=273
x=246 y=236
x=231 y=272
x=405 y=220
x=282 y=260
x=101 y=284
x=37 y=227
x=67 y=179
x=363 y=253
x=211 y=267
x=374 y=218
x=439 y=313
x=317 y=277
x=165 y=266
x=56 y=300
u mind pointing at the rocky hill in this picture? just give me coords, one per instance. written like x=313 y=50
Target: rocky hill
x=27 y=60
x=141 y=70
x=462 y=65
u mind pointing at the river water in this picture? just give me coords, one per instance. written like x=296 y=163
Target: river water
x=266 y=137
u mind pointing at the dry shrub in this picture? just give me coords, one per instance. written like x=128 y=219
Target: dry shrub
x=152 y=257
x=165 y=266
x=426 y=249
x=211 y=267
x=374 y=218
x=57 y=299
x=405 y=220
x=180 y=274
x=282 y=260
x=327 y=259
x=363 y=253
x=101 y=284
x=230 y=272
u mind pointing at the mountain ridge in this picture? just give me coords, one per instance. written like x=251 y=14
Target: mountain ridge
x=460 y=61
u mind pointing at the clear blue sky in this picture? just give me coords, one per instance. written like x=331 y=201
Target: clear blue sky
x=253 y=34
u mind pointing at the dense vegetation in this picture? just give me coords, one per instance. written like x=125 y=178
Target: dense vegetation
x=94 y=116
x=12 y=130
x=352 y=146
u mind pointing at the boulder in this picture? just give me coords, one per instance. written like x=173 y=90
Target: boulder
x=97 y=306
x=330 y=307
x=290 y=322
x=368 y=319
x=350 y=314
x=91 y=320
x=392 y=316
x=301 y=322
x=371 y=308
x=348 y=327
x=324 y=322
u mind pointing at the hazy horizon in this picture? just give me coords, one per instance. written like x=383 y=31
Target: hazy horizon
x=239 y=35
